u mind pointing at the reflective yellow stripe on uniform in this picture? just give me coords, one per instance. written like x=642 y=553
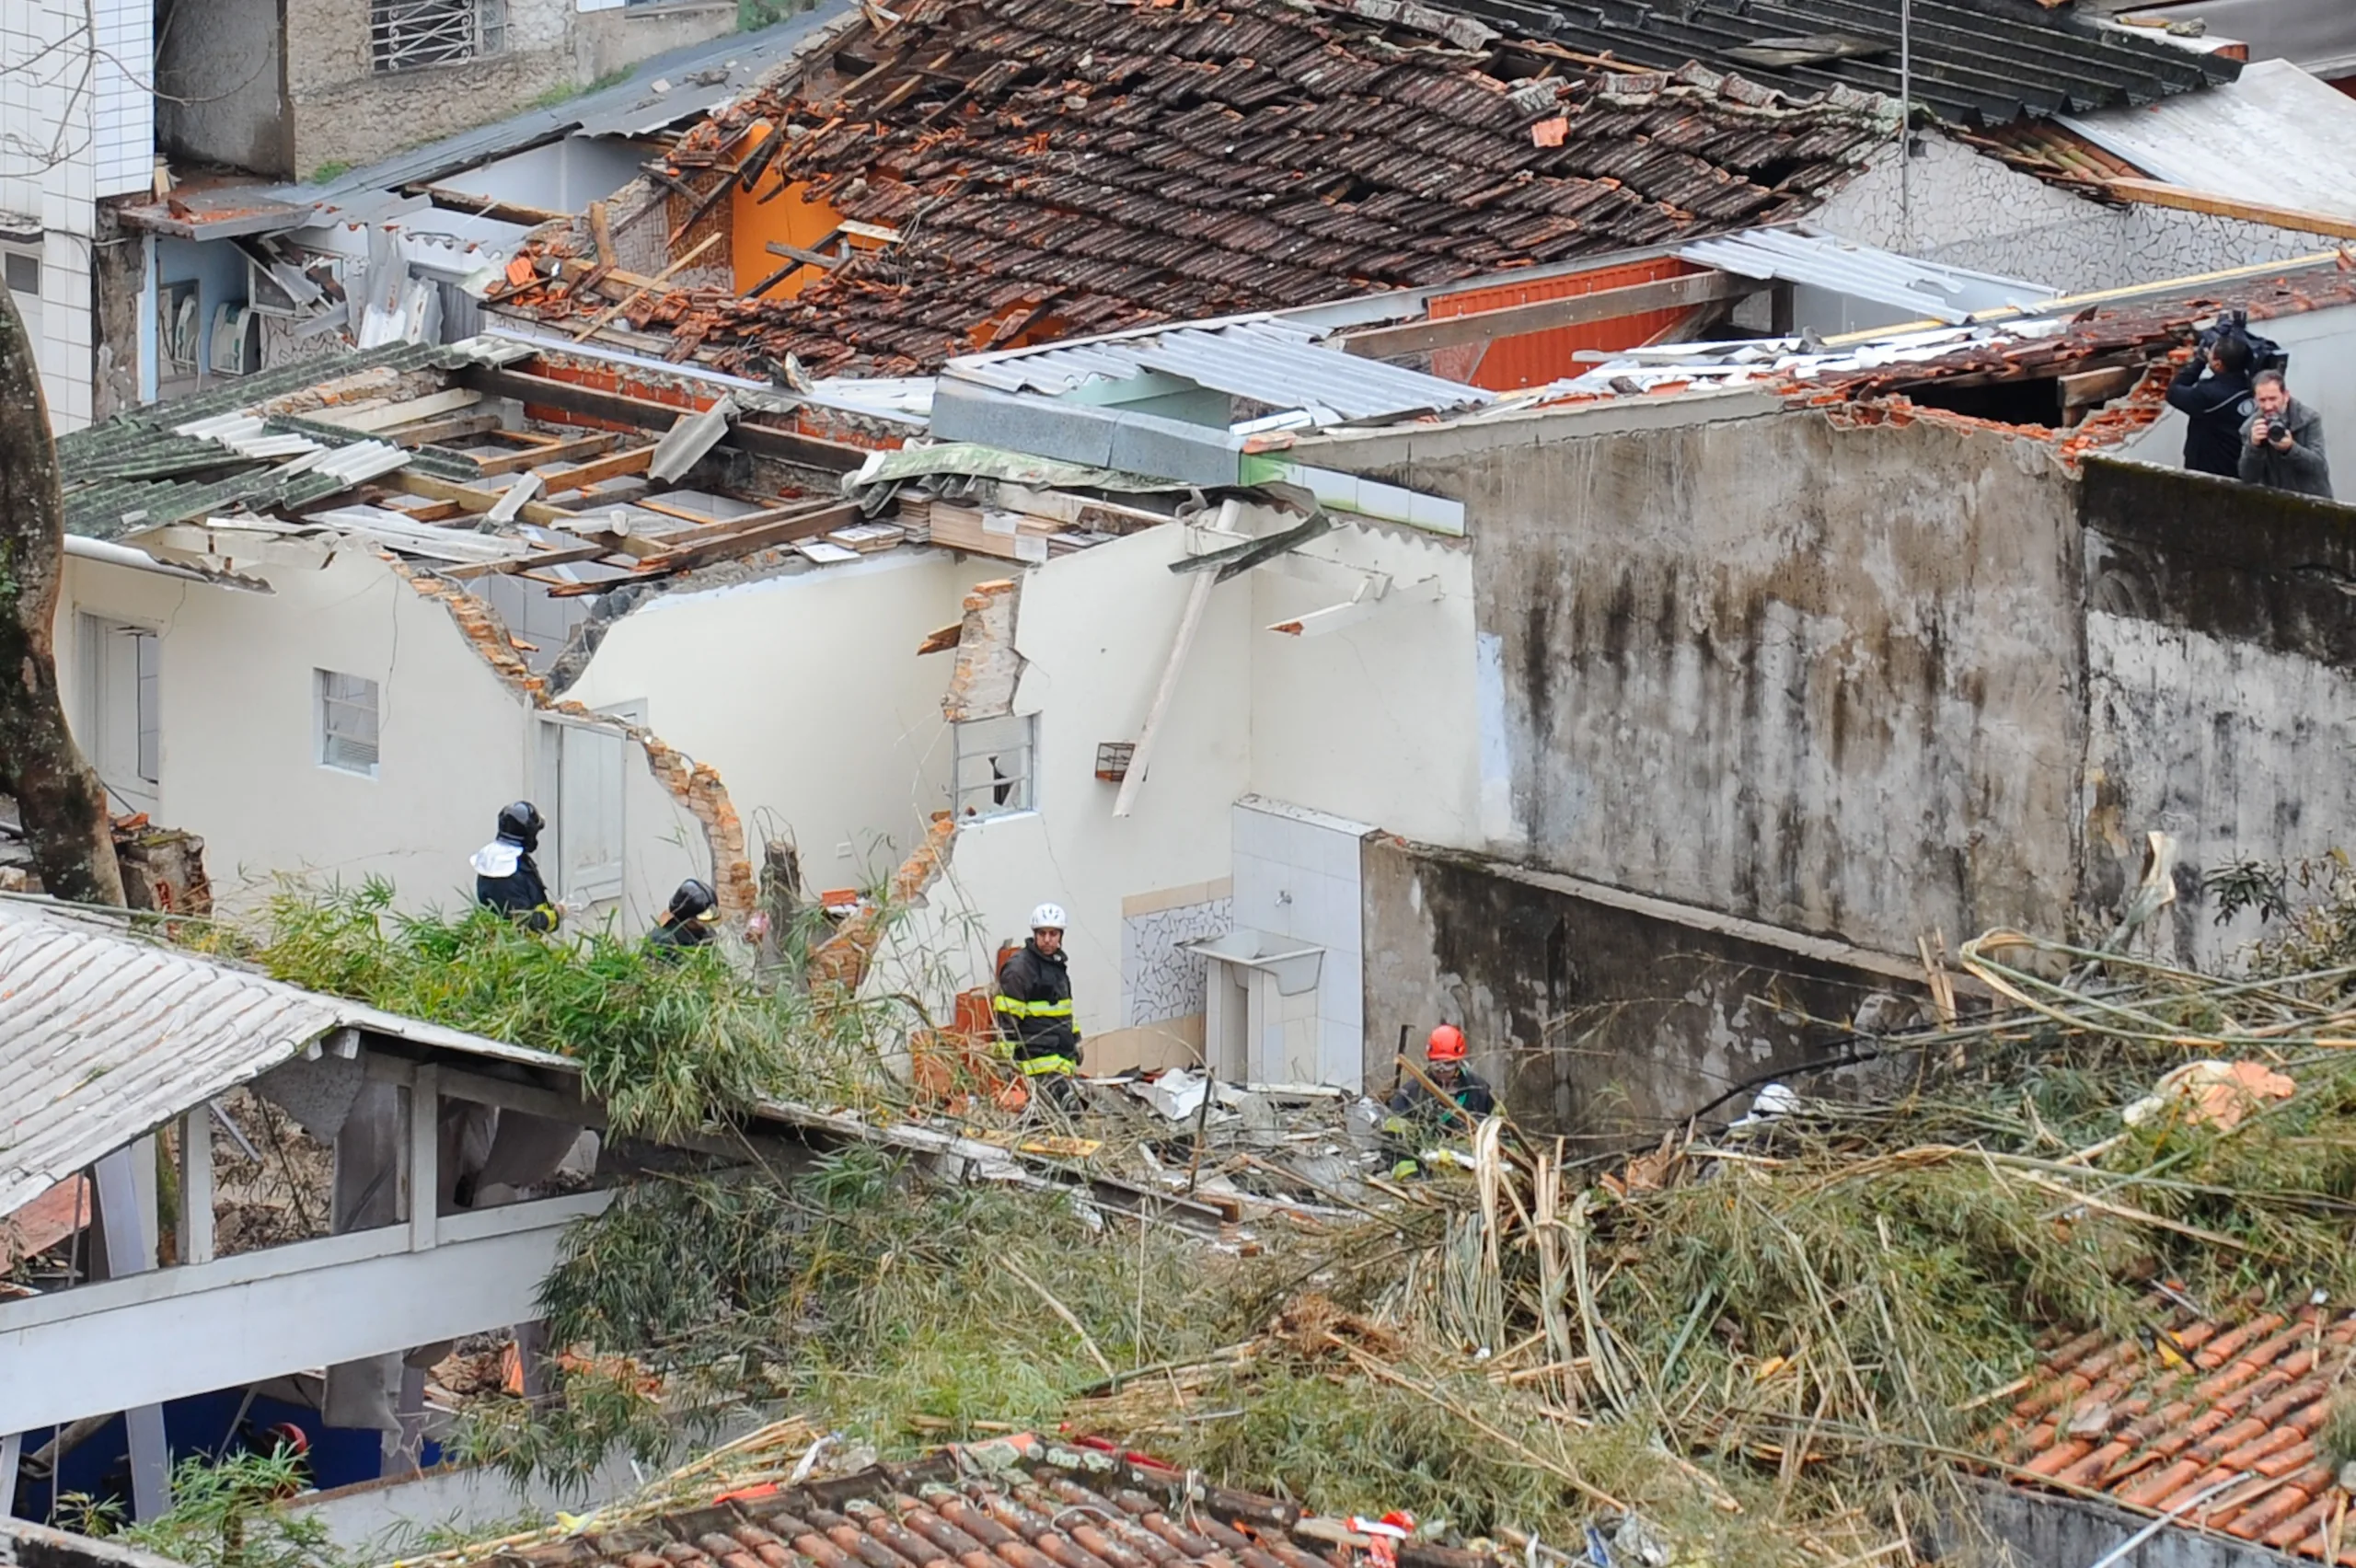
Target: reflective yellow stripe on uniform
x=1032 y=1010
x=1047 y=1066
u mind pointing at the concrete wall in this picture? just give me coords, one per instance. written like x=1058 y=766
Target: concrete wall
x=238 y=744
x=2035 y=1530
x=806 y=693
x=2222 y=672
x=1970 y=210
x=345 y=112
x=2323 y=374
x=1826 y=679
x=221 y=64
x=1594 y=1012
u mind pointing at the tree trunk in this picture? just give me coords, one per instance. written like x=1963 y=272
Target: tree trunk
x=59 y=798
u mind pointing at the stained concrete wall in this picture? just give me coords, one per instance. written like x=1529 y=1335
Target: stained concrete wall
x=343 y=112
x=1829 y=679
x=2221 y=643
x=2018 y=1528
x=222 y=72
x=1599 y=1013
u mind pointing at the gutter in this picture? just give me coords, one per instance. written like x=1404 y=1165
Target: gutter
x=111 y=554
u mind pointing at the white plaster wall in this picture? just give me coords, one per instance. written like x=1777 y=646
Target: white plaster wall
x=76 y=125
x=1376 y=721
x=807 y=694
x=1970 y=209
x=2323 y=375
x=1096 y=628
x=238 y=758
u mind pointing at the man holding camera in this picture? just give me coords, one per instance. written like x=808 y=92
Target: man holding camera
x=2282 y=441
x=2215 y=403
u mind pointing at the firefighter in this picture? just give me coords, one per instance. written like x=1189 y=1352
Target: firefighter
x=1034 y=1007
x=688 y=922
x=506 y=878
x=1418 y=1113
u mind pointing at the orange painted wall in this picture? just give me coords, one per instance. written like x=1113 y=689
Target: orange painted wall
x=786 y=217
x=1534 y=359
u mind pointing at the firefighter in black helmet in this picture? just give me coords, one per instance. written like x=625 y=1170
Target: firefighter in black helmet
x=506 y=879
x=688 y=922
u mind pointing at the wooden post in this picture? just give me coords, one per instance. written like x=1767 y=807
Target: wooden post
x=424 y=1141
x=196 y=1187
x=131 y=1250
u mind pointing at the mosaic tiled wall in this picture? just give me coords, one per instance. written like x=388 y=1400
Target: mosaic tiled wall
x=1161 y=979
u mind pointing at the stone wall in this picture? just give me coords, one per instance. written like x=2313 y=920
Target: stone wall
x=345 y=112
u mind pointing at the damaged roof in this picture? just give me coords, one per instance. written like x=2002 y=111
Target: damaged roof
x=1045 y=168
x=1978 y=62
x=1017 y=1503
x=2216 y=1424
x=109 y=1037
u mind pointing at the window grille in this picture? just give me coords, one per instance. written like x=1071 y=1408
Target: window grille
x=994 y=765
x=347 y=723
x=405 y=35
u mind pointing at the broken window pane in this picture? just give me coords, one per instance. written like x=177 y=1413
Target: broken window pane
x=347 y=722
x=993 y=766
x=407 y=34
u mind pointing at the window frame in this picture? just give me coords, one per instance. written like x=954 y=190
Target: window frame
x=326 y=701
x=973 y=740
x=422 y=35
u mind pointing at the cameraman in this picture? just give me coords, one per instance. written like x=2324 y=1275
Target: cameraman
x=2283 y=443
x=2214 y=405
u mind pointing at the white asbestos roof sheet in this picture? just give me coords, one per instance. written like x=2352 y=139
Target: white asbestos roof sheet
x=1274 y=362
x=104 y=1038
x=1928 y=293
x=2278 y=135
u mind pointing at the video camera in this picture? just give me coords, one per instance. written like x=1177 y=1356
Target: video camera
x=2265 y=353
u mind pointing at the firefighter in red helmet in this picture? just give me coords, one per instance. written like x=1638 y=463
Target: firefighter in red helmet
x=1464 y=1099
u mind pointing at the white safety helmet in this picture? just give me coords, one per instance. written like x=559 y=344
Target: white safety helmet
x=1048 y=917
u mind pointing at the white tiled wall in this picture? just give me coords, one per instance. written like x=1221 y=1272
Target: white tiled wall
x=1297 y=874
x=123 y=132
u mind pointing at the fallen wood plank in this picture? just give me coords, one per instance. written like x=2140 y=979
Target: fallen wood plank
x=1571 y=310
x=941 y=641
x=562 y=452
x=811 y=258
x=602 y=233
x=385 y=416
x=598 y=471
x=663 y=276
x=2158 y=194
x=455 y=429
x=469 y=499
x=524 y=566
x=743 y=541
x=2097 y=386
x=761 y=441
x=494 y=207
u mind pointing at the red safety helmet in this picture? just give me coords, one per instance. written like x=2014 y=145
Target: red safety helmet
x=1447 y=1044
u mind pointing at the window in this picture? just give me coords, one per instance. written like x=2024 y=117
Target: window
x=23 y=272
x=993 y=766
x=121 y=727
x=406 y=34
x=347 y=723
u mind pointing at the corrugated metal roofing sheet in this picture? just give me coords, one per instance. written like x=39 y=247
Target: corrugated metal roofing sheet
x=2278 y=135
x=1932 y=292
x=104 y=1038
x=1268 y=361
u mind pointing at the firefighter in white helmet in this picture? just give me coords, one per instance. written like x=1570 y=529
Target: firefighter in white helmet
x=1033 y=1005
